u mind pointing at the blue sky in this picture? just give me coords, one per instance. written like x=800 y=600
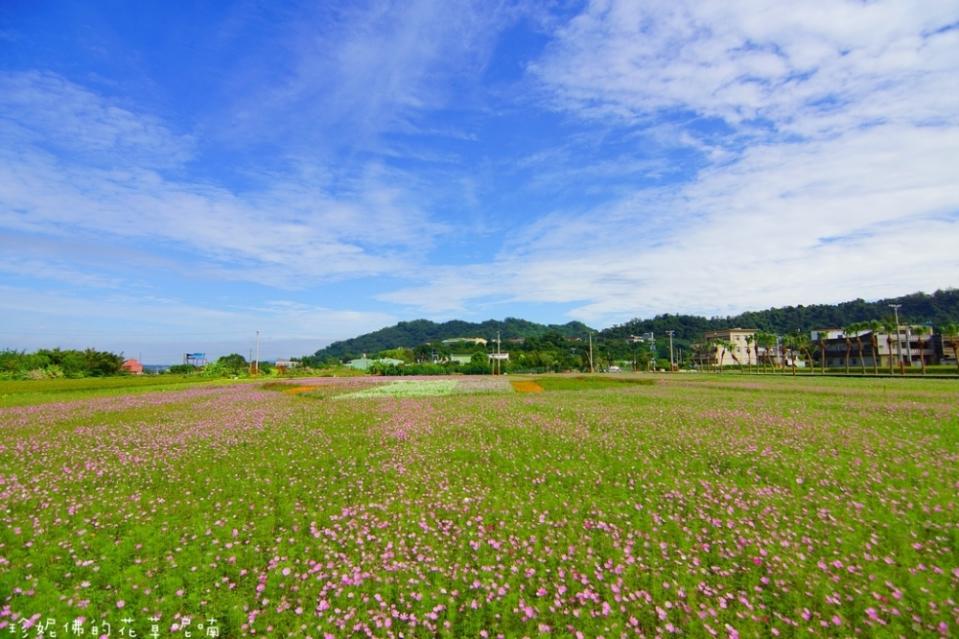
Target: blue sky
x=174 y=178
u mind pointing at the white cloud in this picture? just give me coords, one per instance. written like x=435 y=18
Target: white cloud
x=817 y=67
x=846 y=189
x=39 y=108
x=350 y=74
x=291 y=232
x=826 y=222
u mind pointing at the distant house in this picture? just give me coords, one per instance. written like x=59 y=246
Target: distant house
x=914 y=348
x=286 y=364
x=473 y=340
x=364 y=363
x=736 y=355
x=132 y=366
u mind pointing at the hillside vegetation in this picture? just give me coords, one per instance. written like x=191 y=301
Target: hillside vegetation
x=611 y=344
x=416 y=332
x=939 y=308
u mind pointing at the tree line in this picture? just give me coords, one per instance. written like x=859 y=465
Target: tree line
x=50 y=363
x=938 y=308
x=417 y=332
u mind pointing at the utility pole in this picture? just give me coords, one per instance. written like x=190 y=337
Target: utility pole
x=591 y=353
x=909 y=345
x=499 y=369
x=256 y=362
x=895 y=309
x=672 y=367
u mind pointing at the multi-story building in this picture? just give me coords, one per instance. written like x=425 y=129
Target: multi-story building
x=876 y=352
x=741 y=351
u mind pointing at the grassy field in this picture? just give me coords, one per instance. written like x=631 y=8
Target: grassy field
x=687 y=505
x=24 y=392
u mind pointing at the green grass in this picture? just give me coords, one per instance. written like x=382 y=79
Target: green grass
x=805 y=506
x=24 y=392
x=590 y=382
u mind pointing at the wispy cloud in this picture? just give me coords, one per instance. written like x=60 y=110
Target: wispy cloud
x=350 y=74
x=42 y=109
x=835 y=123
x=817 y=68
x=292 y=229
x=614 y=158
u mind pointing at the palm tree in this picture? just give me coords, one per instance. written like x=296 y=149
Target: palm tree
x=919 y=331
x=721 y=344
x=822 y=351
x=761 y=340
x=768 y=342
x=874 y=327
x=845 y=334
x=783 y=347
x=950 y=333
x=858 y=328
x=889 y=327
x=804 y=344
x=731 y=345
x=749 y=342
x=697 y=349
x=789 y=346
x=757 y=342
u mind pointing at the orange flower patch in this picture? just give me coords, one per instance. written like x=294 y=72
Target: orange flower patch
x=526 y=386
x=296 y=390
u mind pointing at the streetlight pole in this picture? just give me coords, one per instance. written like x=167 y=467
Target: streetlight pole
x=895 y=309
x=671 y=365
x=591 y=370
x=256 y=362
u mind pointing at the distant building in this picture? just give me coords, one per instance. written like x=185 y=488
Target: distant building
x=914 y=348
x=132 y=366
x=473 y=340
x=286 y=364
x=364 y=363
x=195 y=359
x=741 y=352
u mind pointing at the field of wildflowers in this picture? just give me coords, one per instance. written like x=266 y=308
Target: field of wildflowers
x=714 y=506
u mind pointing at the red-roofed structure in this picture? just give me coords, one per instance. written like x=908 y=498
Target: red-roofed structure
x=132 y=366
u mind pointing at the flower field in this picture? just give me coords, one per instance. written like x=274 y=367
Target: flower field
x=706 y=506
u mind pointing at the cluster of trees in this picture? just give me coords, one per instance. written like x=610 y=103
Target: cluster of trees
x=51 y=363
x=550 y=352
x=232 y=365
x=478 y=365
x=938 y=308
x=419 y=332
x=554 y=352
x=538 y=347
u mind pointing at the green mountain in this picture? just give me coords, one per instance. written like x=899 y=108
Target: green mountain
x=917 y=308
x=416 y=332
x=935 y=309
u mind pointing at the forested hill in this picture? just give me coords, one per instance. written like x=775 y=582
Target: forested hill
x=938 y=308
x=416 y=332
